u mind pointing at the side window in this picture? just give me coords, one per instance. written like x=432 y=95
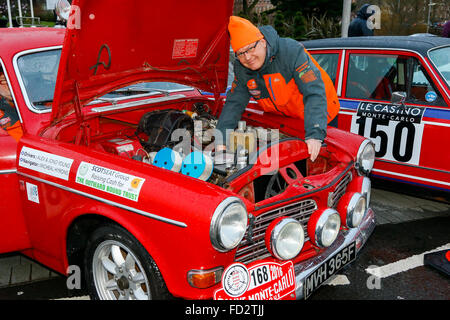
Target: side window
x=375 y=77
x=422 y=90
x=328 y=62
x=38 y=71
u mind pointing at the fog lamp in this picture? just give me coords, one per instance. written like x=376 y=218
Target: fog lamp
x=352 y=207
x=285 y=238
x=323 y=227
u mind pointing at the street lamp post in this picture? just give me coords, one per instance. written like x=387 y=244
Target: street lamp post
x=9 y=13
x=429 y=14
x=346 y=11
x=19 y=6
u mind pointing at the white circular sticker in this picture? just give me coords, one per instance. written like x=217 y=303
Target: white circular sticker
x=235 y=280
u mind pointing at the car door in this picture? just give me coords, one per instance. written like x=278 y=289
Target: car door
x=13 y=231
x=409 y=138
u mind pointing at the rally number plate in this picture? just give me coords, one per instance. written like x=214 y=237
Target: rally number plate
x=329 y=268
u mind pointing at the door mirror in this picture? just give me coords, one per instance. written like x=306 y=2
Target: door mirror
x=398 y=97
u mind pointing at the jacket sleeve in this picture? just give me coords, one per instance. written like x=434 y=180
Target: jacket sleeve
x=309 y=82
x=235 y=104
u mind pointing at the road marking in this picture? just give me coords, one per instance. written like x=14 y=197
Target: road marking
x=76 y=298
x=338 y=280
x=402 y=265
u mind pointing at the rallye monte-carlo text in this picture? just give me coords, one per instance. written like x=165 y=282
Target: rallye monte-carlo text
x=114 y=171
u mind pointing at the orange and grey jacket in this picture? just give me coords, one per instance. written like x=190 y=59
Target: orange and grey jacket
x=290 y=83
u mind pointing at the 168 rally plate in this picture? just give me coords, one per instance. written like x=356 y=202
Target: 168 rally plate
x=260 y=281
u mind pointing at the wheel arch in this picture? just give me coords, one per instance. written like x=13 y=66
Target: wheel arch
x=78 y=234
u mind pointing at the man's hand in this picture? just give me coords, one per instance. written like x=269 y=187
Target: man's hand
x=314 y=146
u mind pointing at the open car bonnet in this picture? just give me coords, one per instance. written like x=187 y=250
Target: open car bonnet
x=112 y=43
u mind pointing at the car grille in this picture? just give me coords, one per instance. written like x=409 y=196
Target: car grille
x=255 y=249
x=339 y=191
x=249 y=251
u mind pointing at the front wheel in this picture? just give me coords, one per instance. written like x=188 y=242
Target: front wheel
x=119 y=268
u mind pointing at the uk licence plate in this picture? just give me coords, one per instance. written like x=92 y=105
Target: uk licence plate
x=329 y=268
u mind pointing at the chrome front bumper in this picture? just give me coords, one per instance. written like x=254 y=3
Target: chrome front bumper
x=359 y=235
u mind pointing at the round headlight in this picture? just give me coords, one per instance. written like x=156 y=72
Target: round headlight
x=228 y=224
x=366 y=190
x=286 y=238
x=365 y=157
x=324 y=229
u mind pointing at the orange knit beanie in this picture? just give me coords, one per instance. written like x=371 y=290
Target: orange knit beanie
x=242 y=32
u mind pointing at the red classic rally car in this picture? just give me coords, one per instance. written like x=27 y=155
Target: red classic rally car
x=410 y=137
x=108 y=165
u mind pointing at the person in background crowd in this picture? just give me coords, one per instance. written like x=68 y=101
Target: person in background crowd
x=446 y=30
x=282 y=78
x=358 y=27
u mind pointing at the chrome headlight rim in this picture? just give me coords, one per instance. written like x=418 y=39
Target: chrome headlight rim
x=275 y=238
x=359 y=161
x=366 y=189
x=217 y=218
x=320 y=225
x=352 y=206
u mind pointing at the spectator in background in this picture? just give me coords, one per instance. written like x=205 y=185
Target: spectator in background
x=3 y=22
x=446 y=30
x=358 y=27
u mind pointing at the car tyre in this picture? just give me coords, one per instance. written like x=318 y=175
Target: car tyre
x=117 y=267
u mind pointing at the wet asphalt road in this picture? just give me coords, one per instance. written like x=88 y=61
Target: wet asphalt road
x=396 y=245
x=407 y=227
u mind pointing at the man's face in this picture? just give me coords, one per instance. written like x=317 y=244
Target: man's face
x=252 y=56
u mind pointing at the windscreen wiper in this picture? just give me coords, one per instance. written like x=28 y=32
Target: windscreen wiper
x=142 y=89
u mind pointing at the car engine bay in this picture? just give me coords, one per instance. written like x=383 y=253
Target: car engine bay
x=259 y=163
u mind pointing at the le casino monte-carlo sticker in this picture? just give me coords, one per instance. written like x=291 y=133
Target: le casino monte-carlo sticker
x=396 y=130
x=114 y=182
